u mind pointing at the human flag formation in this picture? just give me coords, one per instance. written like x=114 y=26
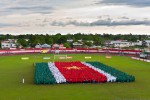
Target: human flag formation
x=78 y=72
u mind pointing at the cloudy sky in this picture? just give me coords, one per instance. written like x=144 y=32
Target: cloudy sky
x=72 y=16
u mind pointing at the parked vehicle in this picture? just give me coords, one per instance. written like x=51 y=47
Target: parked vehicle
x=144 y=55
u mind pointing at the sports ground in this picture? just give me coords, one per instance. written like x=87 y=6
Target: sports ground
x=13 y=69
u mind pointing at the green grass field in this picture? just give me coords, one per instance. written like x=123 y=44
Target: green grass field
x=13 y=69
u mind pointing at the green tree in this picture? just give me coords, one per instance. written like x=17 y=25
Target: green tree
x=88 y=43
x=62 y=39
x=48 y=39
x=22 y=42
x=98 y=40
x=0 y=44
x=56 y=38
x=67 y=45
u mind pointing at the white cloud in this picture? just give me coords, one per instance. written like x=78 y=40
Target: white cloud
x=133 y=3
x=42 y=16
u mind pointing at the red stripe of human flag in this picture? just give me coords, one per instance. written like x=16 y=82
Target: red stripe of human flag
x=75 y=72
x=78 y=72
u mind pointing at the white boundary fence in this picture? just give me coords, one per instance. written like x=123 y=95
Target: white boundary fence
x=135 y=58
x=21 y=51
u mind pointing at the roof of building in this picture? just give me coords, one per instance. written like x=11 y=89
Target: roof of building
x=112 y=42
x=76 y=43
x=45 y=45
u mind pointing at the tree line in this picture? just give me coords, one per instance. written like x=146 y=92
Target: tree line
x=98 y=39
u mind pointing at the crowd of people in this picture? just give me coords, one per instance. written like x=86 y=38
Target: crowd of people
x=76 y=72
x=120 y=76
x=43 y=75
x=110 y=78
x=56 y=73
